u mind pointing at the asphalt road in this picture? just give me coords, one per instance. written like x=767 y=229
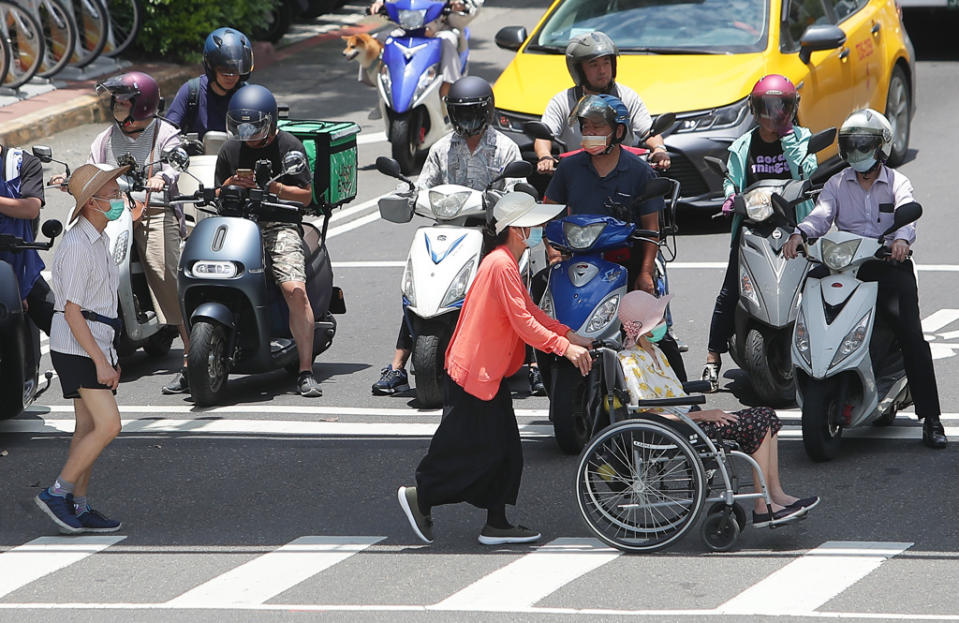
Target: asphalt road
x=203 y=493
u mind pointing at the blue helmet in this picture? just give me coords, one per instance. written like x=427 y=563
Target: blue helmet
x=230 y=51
x=251 y=115
x=607 y=108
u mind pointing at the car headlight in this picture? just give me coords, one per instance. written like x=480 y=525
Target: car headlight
x=759 y=204
x=580 y=238
x=448 y=206
x=546 y=304
x=715 y=119
x=386 y=83
x=604 y=314
x=411 y=19
x=461 y=282
x=426 y=79
x=408 y=290
x=852 y=341
x=120 y=248
x=746 y=286
x=801 y=339
x=838 y=256
x=214 y=269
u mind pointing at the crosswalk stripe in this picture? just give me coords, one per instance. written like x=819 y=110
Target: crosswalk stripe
x=271 y=574
x=521 y=584
x=809 y=582
x=31 y=561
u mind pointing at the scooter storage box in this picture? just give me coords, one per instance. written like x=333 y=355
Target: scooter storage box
x=331 y=152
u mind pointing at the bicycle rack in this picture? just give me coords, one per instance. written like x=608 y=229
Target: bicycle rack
x=99 y=67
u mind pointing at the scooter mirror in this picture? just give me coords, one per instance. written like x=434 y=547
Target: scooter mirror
x=656 y=187
x=52 y=228
x=519 y=168
x=538 y=129
x=388 y=166
x=294 y=162
x=177 y=157
x=43 y=153
x=716 y=164
x=529 y=189
x=781 y=209
x=905 y=214
x=662 y=123
x=739 y=204
x=821 y=140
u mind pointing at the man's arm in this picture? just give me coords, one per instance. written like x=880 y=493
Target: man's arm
x=647 y=251
x=28 y=206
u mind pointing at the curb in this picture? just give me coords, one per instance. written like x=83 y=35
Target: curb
x=75 y=105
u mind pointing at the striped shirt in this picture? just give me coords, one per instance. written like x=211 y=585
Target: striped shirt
x=84 y=273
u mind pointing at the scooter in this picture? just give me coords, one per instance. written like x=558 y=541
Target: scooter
x=410 y=79
x=19 y=337
x=441 y=264
x=141 y=327
x=236 y=315
x=769 y=285
x=848 y=363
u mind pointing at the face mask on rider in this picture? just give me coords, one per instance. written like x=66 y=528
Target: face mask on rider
x=658 y=332
x=116 y=208
x=535 y=237
x=595 y=145
x=863 y=165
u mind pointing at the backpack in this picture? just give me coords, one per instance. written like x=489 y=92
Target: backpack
x=192 y=106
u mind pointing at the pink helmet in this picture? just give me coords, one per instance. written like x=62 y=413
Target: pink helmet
x=774 y=97
x=138 y=88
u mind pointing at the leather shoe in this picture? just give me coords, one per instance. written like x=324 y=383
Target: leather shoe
x=933 y=434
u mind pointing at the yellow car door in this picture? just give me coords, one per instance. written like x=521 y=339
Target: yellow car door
x=858 y=19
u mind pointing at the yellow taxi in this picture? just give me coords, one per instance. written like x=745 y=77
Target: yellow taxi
x=700 y=59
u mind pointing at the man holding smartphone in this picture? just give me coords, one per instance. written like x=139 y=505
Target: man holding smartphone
x=251 y=124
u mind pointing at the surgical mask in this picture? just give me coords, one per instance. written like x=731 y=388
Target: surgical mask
x=595 y=145
x=658 y=332
x=863 y=165
x=535 y=237
x=116 y=209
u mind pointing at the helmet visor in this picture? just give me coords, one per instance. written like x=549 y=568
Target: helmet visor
x=594 y=109
x=248 y=125
x=236 y=63
x=858 y=147
x=774 y=107
x=469 y=118
x=117 y=89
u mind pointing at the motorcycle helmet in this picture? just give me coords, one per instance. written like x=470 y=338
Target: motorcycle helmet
x=251 y=115
x=606 y=108
x=586 y=47
x=470 y=105
x=865 y=139
x=136 y=87
x=230 y=51
x=775 y=98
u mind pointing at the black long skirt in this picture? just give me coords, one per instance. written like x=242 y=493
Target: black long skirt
x=476 y=455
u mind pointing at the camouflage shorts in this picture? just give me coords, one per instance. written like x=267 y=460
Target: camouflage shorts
x=285 y=252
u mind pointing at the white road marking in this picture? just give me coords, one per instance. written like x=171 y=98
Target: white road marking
x=374 y=137
x=939 y=319
x=360 y=222
x=369 y=264
x=31 y=561
x=271 y=574
x=809 y=582
x=533 y=577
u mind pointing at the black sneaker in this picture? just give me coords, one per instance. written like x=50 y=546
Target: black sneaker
x=762 y=520
x=179 y=384
x=422 y=524
x=807 y=503
x=933 y=434
x=60 y=510
x=392 y=380
x=536 y=387
x=95 y=521
x=308 y=386
x=507 y=536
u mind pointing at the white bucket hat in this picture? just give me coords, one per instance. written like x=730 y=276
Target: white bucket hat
x=518 y=209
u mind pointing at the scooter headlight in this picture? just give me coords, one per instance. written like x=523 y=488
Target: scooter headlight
x=801 y=339
x=838 y=256
x=214 y=269
x=386 y=83
x=604 y=314
x=580 y=238
x=120 y=248
x=428 y=77
x=852 y=341
x=759 y=204
x=746 y=286
x=411 y=19
x=408 y=290
x=448 y=206
x=460 y=285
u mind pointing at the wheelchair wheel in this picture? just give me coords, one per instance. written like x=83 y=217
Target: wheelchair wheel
x=738 y=512
x=720 y=531
x=640 y=486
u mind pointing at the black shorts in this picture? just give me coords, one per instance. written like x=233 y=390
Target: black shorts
x=76 y=372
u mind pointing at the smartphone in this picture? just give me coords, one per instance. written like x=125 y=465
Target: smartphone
x=244 y=172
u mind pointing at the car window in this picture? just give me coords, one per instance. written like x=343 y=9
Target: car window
x=800 y=15
x=845 y=8
x=670 y=26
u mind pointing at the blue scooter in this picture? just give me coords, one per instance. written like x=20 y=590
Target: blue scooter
x=410 y=79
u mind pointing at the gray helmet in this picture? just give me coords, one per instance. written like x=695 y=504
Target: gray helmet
x=865 y=138
x=586 y=47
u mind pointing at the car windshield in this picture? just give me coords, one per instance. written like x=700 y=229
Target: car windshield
x=661 y=26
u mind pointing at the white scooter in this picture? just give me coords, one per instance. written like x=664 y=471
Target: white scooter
x=202 y=171
x=441 y=264
x=848 y=363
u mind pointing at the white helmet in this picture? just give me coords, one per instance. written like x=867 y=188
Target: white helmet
x=865 y=138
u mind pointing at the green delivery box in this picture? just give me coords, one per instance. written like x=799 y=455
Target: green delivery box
x=331 y=151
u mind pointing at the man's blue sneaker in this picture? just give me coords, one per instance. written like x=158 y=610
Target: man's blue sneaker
x=60 y=510
x=94 y=521
x=391 y=381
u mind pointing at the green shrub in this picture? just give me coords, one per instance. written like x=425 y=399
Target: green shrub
x=176 y=29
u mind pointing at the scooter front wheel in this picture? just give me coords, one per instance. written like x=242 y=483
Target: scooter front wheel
x=429 y=352
x=821 y=432
x=207 y=367
x=404 y=135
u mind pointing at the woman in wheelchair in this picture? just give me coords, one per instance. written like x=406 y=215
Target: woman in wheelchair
x=648 y=376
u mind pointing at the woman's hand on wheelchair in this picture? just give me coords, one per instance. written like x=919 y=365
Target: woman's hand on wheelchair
x=579 y=357
x=716 y=416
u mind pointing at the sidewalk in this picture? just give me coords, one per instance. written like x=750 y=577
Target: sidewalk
x=75 y=104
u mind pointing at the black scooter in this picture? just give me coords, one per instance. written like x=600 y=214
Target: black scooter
x=19 y=337
x=236 y=315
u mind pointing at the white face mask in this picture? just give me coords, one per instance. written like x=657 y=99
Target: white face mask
x=595 y=144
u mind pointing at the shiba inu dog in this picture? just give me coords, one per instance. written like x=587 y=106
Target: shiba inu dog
x=365 y=50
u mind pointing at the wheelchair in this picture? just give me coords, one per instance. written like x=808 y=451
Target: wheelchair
x=644 y=480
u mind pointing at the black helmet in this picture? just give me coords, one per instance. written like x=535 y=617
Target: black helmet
x=251 y=115
x=586 y=47
x=229 y=51
x=470 y=105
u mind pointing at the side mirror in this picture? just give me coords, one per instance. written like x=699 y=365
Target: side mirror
x=519 y=168
x=294 y=162
x=820 y=37
x=781 y=208
x=52 y=228
x=905 y=214
x=43 y=153
x=177 y=158
x=662 y=123
x=717 y=165
x=511 y=37
x=739 y=204
x=388 y=166
x=656 y=187
x=538 y=129
x=821 y=140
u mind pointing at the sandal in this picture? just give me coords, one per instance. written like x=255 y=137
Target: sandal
x=711 y=374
